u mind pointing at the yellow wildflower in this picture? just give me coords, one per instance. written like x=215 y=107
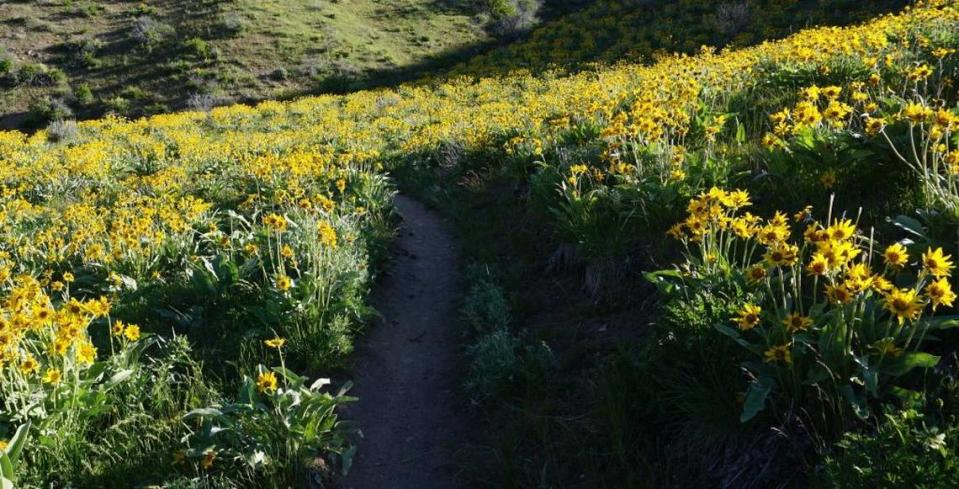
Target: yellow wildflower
x=749 y=316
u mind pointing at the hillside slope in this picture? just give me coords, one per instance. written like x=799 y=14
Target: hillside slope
x=246 y=222
x=86 y=57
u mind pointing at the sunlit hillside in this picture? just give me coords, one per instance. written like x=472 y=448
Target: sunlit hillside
x=88 y=58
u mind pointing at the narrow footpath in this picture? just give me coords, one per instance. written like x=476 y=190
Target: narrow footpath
x=405 y=369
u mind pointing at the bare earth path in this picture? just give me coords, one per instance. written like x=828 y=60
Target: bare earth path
x=405 y=370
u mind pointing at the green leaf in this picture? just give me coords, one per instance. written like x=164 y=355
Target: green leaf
x=15 y=446
x=755 y=400
x=290 y=376
x=118 y=378
x=910 y=225
x=871 y=378
x=347 y=459
x=904 y=363
x=344 y=389
x=734 y=334
x=857 y=402
x=226 y=270
x=664 y=280
x=943 y=322
x=6 y=471
x=910 y=397
x=203 y=413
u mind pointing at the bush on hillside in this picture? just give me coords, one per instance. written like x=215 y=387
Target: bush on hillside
x=509 y=18
x=62 y=131
x=149 y=33
x=732 y=17
x=43 y=110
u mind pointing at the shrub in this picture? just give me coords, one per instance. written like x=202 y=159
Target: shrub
x=84 y=52
x=150 y=33
x=732 y=18
x=509 y=18
x=8 y=76
x=202 y=102
x=146 y=10
x=6 y=64
x=118 y=105
x=43 y=110
x=83 y=94
x=134 y=92
x=231 y=24
x=88 y=9
x=199 y=48
x=62 y=131
x=279 y=74
x=277 y=426
x=39 y=74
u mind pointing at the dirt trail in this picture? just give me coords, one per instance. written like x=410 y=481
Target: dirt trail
x=405 y=371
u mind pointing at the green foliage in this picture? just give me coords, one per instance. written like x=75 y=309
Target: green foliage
x=118 y=421
x=46 y=109
x=512 y=17
x=273 y=430
x=499 y=360
x=494 y=364
x=83 y=94
x=199 y=48
x=10 y=456
x=328 y=46
x=485 y=308
x=150 y=33
x=118 y=105
x=904 y=451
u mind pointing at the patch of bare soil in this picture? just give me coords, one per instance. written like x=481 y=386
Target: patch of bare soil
x=405 y=372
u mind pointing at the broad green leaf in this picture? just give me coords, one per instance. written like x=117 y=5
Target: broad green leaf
x=755 y=400
x=288 y=374
x=904 y=363
x=871 y=378
x=734 y=334
x=347 y=459
x=857 y=402
x=16 y=444
x=910 y=225
x=203 y=413
x=226 y=270
x=943 y=322
x=6 y=469
x=664 y=280
x=119 y=378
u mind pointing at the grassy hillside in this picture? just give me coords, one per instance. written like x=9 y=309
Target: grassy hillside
x=766 y=336
x=136 y=58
